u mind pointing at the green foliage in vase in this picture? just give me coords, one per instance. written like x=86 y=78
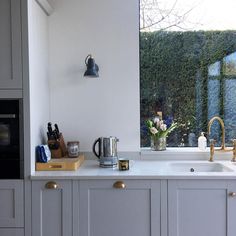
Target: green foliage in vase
x=158 y=129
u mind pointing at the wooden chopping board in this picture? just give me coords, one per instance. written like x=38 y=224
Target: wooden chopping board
x=61 y=164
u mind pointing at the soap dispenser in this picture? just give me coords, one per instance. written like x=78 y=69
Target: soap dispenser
x=202 y=142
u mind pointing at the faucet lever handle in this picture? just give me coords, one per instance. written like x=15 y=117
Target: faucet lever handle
x=212 y=142
x=234 y=151
x=234 y=143
x=212 y=149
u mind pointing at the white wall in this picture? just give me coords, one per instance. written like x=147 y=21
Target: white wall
x=86 y=108
x=38 y=75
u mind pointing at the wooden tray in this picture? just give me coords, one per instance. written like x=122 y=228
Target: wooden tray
x=61 y=164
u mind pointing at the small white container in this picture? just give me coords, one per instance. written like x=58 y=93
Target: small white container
x=73 y=149
x=202 y=142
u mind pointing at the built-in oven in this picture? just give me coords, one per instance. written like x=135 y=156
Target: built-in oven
x=11 y=135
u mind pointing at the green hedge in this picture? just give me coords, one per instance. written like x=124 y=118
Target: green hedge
x=169 y=62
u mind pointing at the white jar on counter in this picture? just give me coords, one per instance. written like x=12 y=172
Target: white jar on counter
x=73 y=149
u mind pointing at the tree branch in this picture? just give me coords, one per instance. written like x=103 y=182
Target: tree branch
x=168 y=18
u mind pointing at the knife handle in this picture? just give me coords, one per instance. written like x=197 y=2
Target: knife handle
x=57 y=129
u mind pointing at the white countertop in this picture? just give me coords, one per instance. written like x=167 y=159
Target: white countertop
x=140 y=169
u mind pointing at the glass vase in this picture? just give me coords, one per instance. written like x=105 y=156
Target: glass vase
x=158 y=143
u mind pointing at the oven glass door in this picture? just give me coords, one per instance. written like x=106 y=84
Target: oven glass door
x=9 y=140
x=5 y=134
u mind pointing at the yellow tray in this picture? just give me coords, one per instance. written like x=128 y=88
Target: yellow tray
x=61 y=164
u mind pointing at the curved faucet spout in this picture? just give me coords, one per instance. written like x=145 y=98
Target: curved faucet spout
x=222 y=128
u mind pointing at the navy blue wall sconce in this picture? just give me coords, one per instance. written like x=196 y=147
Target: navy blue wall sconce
x=92 y=67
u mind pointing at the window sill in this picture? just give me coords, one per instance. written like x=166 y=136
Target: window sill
x=182 y=154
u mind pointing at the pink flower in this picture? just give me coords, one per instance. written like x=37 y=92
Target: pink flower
x=153 y=130
x=156 y=121
x=163 y=127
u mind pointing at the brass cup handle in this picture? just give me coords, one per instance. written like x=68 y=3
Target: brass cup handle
x=119 y=184
x=232 y=194
x=51 y=185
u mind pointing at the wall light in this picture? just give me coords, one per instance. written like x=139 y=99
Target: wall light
x=92 y=67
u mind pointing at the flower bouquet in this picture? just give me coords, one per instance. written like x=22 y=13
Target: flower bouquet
x=158 y=129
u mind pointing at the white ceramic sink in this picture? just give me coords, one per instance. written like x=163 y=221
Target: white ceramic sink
x=198 y=167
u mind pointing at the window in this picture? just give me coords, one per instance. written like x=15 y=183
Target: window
x=188 y=67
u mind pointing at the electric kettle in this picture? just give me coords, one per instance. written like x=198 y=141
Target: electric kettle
x=107 y=151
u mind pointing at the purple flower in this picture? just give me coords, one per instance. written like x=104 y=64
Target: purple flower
x=168 y=121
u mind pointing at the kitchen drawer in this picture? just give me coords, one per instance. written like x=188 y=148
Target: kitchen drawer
x=12 y=232
x=11 y=203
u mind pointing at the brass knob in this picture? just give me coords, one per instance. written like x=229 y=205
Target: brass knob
x=51 y=185
x=232 y=194
x=119 y=184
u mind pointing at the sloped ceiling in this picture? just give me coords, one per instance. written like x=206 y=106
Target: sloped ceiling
x=52 y=2
x=46 y=5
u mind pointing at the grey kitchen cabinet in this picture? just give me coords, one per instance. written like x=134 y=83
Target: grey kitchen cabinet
x=11 y=204
x=12 y=232
x=10 y=45
x=201 y=207
x=52 y=208
x=119 y=208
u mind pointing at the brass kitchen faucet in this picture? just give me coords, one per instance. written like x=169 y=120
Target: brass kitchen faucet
x=212 y=141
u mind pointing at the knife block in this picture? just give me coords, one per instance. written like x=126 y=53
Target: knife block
x=59 y=152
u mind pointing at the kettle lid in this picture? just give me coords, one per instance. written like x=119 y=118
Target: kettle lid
x=111 y=137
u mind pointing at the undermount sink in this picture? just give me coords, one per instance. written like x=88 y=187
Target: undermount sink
x=198 y=167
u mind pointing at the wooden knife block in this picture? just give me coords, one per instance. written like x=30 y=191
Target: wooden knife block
x=61 y=151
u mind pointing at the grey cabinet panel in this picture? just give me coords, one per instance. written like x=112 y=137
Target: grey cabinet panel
x=11 y=203
x=231 y=208
x=106 y=211
x=51 y=209
x=12 y=232
x=10 y=44
x=200 y=207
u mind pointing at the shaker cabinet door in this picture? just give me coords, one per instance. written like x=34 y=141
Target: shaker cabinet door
x=201 y=207
x=11 y=203
x=127 y=208
x=10 y=44
x=51 y=208
x=231 y=207
x=11 y=232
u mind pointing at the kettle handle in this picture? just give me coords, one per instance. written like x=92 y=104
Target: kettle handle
x=99 y=150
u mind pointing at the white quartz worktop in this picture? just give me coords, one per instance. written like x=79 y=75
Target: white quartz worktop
x=140 y=169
